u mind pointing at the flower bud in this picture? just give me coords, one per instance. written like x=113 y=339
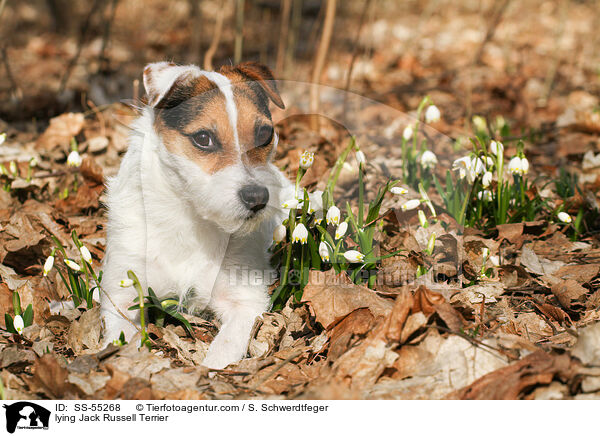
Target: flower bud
x=354 y=256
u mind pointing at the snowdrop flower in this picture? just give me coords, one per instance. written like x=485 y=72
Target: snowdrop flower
x=431 y=244
x=13 y=167
x=361 y=159
x=324 y=251
x=319 y=216
x=300 y=234
x=518 y=165
x=490 y=162
x=291 y=204
x=33 y=162
x=407 y=133
x=411 y=204
x=485 y=252
x=485 y=195
x=18 y=324
x=354 y=256
x=469 y=167
x=399 y=190
x=422 y=219
x=74 y=159
x=341 y=230
x=315 y=201
x=279 y=233
x=487 y=179
x=496 y=147
x=479 y=123
x=125 y=283
x=333 y=215
x=85 y=254
x=564 y=217
x=307 y=159
x=432 y=114
x=73 y=265
x=2 y=138
x=428 y=159
x=48 y=265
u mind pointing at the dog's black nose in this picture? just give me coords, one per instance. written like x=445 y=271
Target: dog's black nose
x=254 y=197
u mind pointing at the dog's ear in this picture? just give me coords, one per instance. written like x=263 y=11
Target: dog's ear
x=262 y=75
x=161 y=77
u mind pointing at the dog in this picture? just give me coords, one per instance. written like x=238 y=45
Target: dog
x=194 y=204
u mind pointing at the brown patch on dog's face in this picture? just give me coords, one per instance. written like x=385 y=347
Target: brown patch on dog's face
x=193 y=122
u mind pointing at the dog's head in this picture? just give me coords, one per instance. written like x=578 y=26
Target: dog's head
x=217 y=139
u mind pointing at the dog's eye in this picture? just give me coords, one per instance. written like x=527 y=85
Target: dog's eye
x=203 y=139
x=264 y=136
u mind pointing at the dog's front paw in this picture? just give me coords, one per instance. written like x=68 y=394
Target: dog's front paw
x=221 y=353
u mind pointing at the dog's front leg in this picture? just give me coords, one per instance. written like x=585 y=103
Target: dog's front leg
x=237 y=308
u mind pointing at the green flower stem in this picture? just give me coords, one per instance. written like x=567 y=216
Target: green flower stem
x=138 y=288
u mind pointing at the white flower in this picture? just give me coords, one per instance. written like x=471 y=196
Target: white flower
x=300 y=234
x=487 y=179
x=428 y=159
x=324 y=251
x=354 y=256
x=74 y=159
x=518 y=165
x=48 y=265
x=479 y=123
x=485 y=195
x=432 y=114
x=13 y=167
x=2 y=138
x=422 y=218
x=469 y=167
x=315 y=201
x=125 y=283
x=73 y=265
x=361 y=159
x=407 y=133
x=411 y=204
x=33 y=162
x=290 y=204
x=431 y=244
x=333 y=215
x=307 y=159
x=399 y=190
x=18 y=324
x=341 y=230
x=485 y=252
x=279 y=233
x=319 y=216
x=490 y=162
x=496 y=147
x=85 y=254
x=564 y=217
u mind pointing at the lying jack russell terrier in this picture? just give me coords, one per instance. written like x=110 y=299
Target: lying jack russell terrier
x=194 y=204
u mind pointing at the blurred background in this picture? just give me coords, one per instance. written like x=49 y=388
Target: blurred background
x=517 y=58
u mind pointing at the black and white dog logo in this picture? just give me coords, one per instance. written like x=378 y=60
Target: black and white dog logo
x=26 y=415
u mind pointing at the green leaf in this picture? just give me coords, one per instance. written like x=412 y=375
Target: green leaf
x=28 y=316
x=9 y=323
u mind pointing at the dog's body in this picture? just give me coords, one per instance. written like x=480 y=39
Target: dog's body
x=195 y=202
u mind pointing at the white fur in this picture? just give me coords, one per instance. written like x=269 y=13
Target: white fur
x=181 y=230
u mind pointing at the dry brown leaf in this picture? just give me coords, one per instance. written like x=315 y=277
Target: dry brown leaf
x=514 y=381
x=570 y=294
x=84 y=334
x=357 y=322
x=61 y=130
x=333 y=296
x=51 y=379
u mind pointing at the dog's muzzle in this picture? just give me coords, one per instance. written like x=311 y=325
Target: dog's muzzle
x=254 y=197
